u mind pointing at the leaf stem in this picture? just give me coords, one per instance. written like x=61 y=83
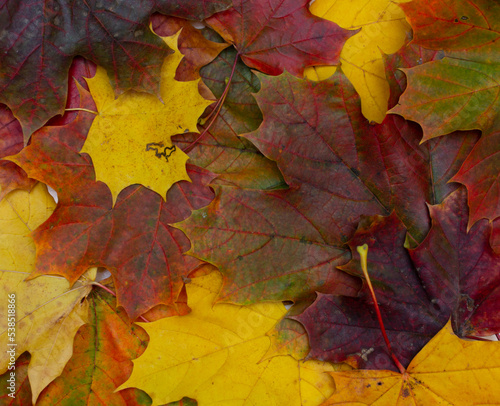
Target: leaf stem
x=82 y=109
x=217 y=108
x=363 y=253
x=114 y=294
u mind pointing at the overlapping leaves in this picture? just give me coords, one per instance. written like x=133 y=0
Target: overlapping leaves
x=287 y=177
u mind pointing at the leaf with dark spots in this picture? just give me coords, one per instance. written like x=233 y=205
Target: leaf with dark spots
x=273 y=35
x=40 y=39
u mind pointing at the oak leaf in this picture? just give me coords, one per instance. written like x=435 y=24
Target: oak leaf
x=214 y=356
x=272 y=35
x=40 y=39
x=382 y=29
x=441 y=373
x=129 y=140
x=47 y=311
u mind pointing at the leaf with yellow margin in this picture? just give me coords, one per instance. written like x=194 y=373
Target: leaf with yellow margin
x=214 y=355
x=48 y=312
x=383 y=30
x=447 y=371
x=129 y=141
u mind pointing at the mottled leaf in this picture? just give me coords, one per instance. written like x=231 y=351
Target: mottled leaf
x=102 y=360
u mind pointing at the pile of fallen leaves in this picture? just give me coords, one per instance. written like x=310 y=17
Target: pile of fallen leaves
x=216 y=166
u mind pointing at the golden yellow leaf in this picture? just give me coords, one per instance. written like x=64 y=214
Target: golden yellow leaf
x=129 y=141
x=47 y=312
x=383 y=30
x=448 y=371
x=214 y=355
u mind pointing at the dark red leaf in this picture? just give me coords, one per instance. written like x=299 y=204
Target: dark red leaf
x=343 y=328
x=11 y=142
x=40 y=39
x=274 y=35
x=459 y=269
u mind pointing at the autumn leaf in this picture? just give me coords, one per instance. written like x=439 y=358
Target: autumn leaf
x=459 y=268
x=47 y=311
x=200 y=356
x=382 y=29
x=461 y=91
x=234 y=159
x=11 y=142
x=133 y=238
x=439 y=374
x=272 y=35
x=417 y=291
x=198 y=51
x=102 y=359
x=129 y=141
x=40 y=40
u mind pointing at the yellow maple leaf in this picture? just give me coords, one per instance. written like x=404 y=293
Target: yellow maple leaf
x=214 y=355
x=129 y=141
x=47 y=312
x=447 y=371
x=383 y=30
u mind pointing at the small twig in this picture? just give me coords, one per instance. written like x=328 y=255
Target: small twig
x=82 y=109
x=363 y=253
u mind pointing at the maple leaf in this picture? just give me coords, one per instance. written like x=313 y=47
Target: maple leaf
x=467 y=79
x=133 y=238
x=40 y=39
x=11 y=142
x=336 y=175
x=200 y=356
x=129 y=141
x=382 y=30
x=272 y=35
x=417 y=290
x=198 y=51
x=47 y=312
x=459 y=269
x=102 y=359
x=437 y=375
x=234 y=159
